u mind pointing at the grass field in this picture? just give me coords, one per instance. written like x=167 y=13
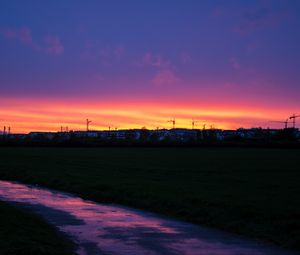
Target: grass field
x=24 y=233
x=254 y=192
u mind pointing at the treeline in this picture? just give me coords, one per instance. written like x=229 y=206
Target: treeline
x=199 y=138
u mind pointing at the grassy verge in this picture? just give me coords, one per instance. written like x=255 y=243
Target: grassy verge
x=24 y=233
x=254 y=192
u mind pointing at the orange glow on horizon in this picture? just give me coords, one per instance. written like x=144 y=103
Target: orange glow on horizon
x=25 y=115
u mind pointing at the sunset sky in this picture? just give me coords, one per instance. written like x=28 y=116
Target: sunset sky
x=135 y=63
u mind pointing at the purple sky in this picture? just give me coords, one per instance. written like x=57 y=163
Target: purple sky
x=213 y=53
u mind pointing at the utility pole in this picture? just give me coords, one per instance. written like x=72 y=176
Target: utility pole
x=294 y=116
x=88 y=122
x=194 y=123
x=173 y=122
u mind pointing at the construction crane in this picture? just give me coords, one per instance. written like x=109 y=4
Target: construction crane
x=293 y=117
x=64 y=129
x=110 y=128
x=194 y=123
x=283 y=122
x=173 y=122
x=88 y=122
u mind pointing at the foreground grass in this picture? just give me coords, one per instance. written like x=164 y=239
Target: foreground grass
x=24 y=233
x=254 y=192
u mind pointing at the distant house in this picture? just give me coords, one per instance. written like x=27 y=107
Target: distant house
x=228 y=134
x=115 y=134
x=298 y=134
x=44 y=135
x=248 y=133
x=93 y=134
x=120 y=134
x=183 y=134
x=218 y=133
x=160 y=134
x=85 y=133
x=17 y=136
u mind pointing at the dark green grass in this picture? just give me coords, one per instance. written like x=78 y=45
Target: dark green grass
x=254 y=192
x=24 y=233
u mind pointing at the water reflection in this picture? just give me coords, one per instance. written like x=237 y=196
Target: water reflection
x=111 y=229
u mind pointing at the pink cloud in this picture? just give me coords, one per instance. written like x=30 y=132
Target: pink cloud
x=160 y=62
x=155 y=60
x=165 y=77
x=51 y=44
x=23 y=35
x=8 y=33
x=54 y=45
